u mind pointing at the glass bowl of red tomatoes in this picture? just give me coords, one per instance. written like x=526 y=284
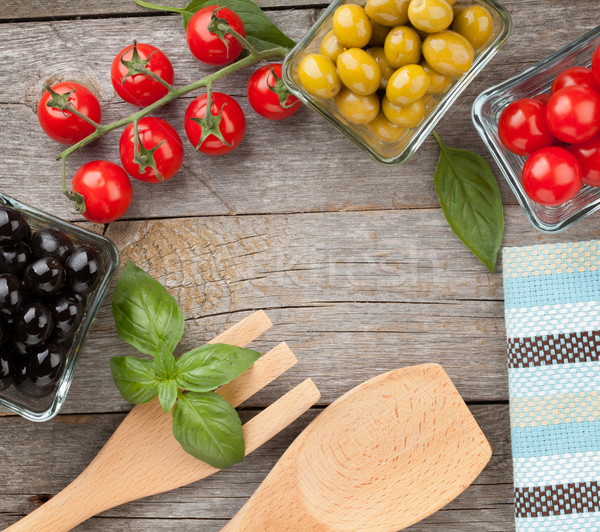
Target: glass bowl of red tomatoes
x=543 y=130
x=53 y=278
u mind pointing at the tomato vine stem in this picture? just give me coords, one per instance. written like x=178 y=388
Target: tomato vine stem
x=174 y=93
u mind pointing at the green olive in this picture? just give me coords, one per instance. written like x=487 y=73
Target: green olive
x=318 y=75
x=402 y=47
x=355 y=108
x=476 y=24
x=388 y=12
x=438 y=83
x=407 y=85
x=351 y=26
x=359 y=71
x=386 y=70
x=431 y=16
x=448 y=52
x=384 y=130
x=404 y=116
x=330 y=46
x=379 y=34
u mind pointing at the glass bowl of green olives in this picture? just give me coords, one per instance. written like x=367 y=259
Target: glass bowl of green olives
x=384 y=72
x=53 y=278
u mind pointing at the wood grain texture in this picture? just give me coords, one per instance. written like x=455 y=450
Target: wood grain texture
x=56 y=9
x=354 y=295
x=384 y=456
x=209 y=504
x=269 y=172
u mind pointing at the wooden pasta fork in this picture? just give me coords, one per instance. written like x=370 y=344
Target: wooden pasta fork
x=143 y=457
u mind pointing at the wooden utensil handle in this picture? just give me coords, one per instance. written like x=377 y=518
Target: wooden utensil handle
x=77 y=502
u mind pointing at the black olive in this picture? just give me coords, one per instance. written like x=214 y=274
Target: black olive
x=83 y=270
x=50 y=242
x=14 y=258
x=4 y=331
x=44 y=277
x=23 y=382
x=5 y=369
x=11 y=294
x=44 y=365
x=66 y=313
x=13 y=227
x=18 y=348
x=34 y=324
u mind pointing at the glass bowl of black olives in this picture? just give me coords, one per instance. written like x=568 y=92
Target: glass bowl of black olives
x=53 y=278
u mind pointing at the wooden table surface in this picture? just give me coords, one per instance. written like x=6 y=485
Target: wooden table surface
x=353 y=262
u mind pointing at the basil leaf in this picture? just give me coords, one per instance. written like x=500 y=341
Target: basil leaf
x=165 y=365
x=147 y=317
x=167 y=394
x=260 y=31
x=135 y=378
x=209 y=428
x=471 y=201
x=207 y=367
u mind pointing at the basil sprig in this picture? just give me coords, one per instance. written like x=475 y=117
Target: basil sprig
x=149 y=319
x=471 y=201
x=260 y=31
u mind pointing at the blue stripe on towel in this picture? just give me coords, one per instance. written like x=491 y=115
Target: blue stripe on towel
x=555 y=439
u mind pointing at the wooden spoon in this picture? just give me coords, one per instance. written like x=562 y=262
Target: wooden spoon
x=143 y=457
x=383 y=456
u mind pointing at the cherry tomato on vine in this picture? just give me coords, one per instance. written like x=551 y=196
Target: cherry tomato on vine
x=588 y=155
x=522 y=127
x=219 y=136
x=208 y=47
x=575 y=76
x=573 y=114
x=167 y=158
x=596 y=65
x=105 y=188
x=62 y=125
x=139 y=89
x=552 y=176
x=264 y=89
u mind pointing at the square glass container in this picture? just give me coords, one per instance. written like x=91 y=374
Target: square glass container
x=401 y=150
x=486 y=112
x=45 y=408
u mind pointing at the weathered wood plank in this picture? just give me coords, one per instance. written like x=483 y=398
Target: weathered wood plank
x=51 y=9
x=487 y=505
x=271 y=171
x=354 y=294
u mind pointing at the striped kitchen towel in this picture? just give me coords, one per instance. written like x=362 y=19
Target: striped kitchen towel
x=552 y=299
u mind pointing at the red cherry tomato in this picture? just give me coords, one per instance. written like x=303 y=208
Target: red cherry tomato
x=522 y=127
x=588 y=155
x=64 y=126
x=543 y=97
x=140 y=89
x=576 y=76
x=167 y=157
x=232 y=126
x=106 y=189
x=573 y=114
x=596 y=65
x=264 y=100
x=208 y=47
x=552 y=176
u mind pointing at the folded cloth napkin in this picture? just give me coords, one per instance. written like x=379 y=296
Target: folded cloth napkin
x=552 y=300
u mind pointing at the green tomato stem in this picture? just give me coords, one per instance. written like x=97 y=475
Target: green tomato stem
x=278 y=52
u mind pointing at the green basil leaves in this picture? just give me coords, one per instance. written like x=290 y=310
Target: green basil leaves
x=260 y=31
x=471 y=201
x=148 y=318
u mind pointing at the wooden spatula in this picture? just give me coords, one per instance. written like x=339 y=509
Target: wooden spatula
x=143 y=458
x=383 y=456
